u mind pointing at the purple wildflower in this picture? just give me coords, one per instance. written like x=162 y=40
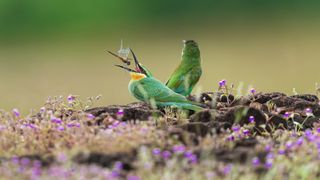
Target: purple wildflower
x=71 y=98
x=118 y=165
x=309 y=112
x=70 y=125
x=268 y=148
x=230 y=138
x=16 y=112
x=270 y=156
x=42 y=109
x=156 y=151
x=187 y=154
x=178 y=148
x=15 y=160
x=36 y=171
x=299 y=141
x=120 y=112
x=310 y=136
x=56 y=120
x=60 y=128
x=246 y=132
x=252 y=91
x=286 y=115
x=289 y=145
x=193 y=159
x=90 y=116
x=281 y=151
x=268 y=164
x=255 y=162
x=114 y=124
x=166 y=154
x=25 y=161
x=222 y=83
x=308 y=132
x=235 y=128
x=318 y=130
x=115 y=174
x=37 y=163
x=251 y=119
x=32 y=126
x=227 y=169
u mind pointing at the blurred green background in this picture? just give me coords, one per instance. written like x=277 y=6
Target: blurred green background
x=50 y=48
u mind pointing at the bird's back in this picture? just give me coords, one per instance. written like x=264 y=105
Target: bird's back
x=185 y=77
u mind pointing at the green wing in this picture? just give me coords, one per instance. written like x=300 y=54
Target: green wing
x=151 y=88
x=183 y=80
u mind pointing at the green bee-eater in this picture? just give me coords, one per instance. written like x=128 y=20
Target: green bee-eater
x=188 y=73
x=149 y=89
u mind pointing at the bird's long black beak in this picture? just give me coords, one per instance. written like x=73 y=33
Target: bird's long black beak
x=126 y=61
x=137 y=64
x=128 y=69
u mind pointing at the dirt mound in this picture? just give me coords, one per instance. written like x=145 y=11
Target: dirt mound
x=271 y=110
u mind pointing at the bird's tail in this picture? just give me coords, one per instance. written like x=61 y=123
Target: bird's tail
x=197 y=104
x=193 y=107
x=187 y=106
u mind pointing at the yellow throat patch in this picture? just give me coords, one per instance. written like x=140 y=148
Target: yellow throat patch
x=137 y=76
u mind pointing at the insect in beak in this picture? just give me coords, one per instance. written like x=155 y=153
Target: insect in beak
x=124 y=60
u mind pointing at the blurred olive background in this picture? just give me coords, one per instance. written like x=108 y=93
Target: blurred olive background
x=50 y=48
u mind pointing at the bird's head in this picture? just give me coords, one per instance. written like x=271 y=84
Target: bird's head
x=138 y=67
x=190 y=48
x=139 y=72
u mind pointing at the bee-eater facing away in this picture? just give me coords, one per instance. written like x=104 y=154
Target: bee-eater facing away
x=149 y=89
x=188 y=73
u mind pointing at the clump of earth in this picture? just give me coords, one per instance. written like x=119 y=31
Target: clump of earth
x=269 y=110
